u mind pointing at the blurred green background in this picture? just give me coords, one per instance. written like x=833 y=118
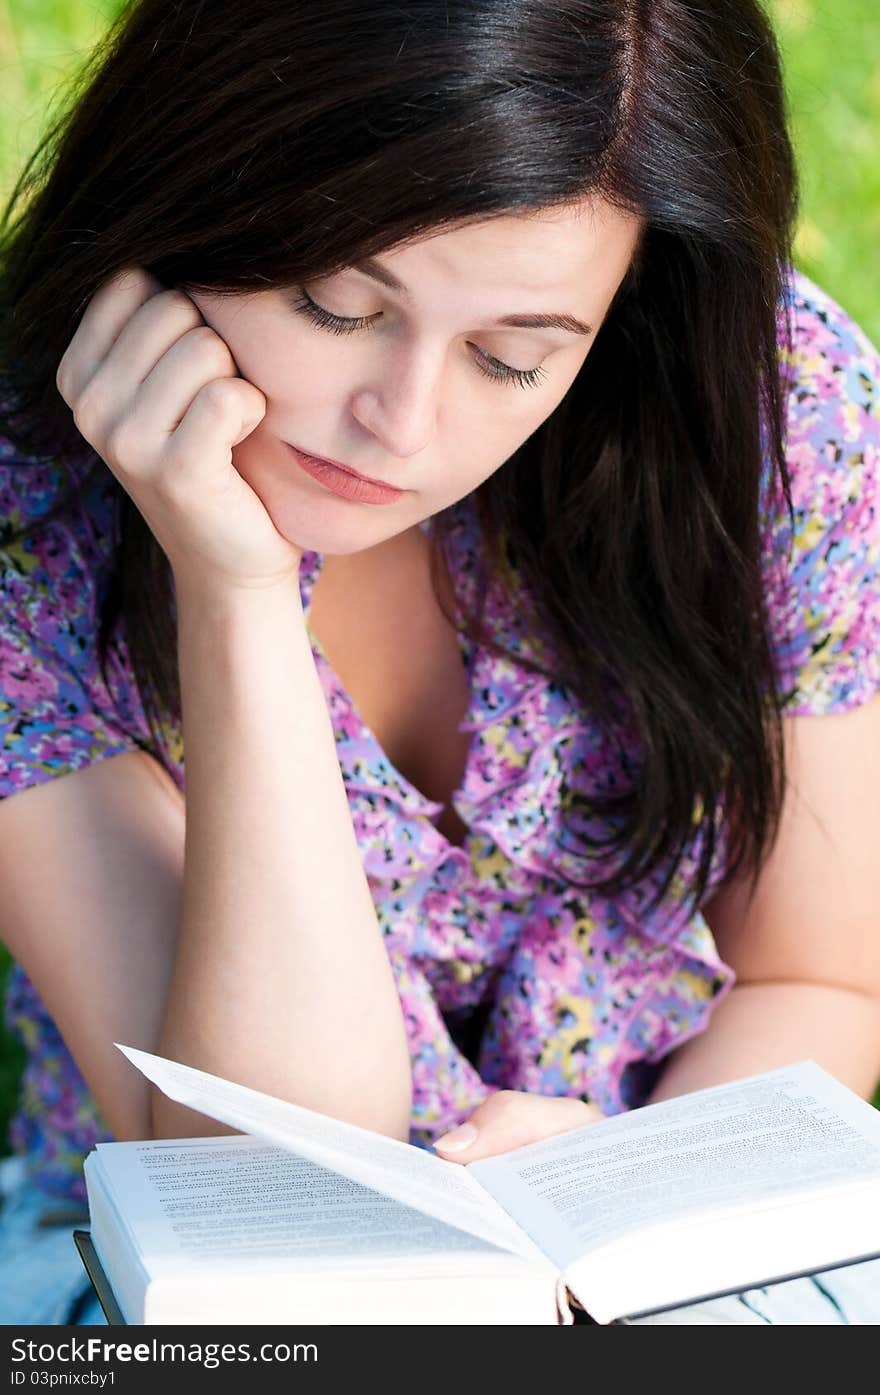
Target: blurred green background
x=831 y=52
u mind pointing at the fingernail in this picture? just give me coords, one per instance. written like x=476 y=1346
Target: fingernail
x=459 y=1138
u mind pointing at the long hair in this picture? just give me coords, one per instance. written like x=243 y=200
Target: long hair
x=235 y=157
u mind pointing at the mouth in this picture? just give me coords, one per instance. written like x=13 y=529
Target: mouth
x=345 y=482
x=348 y=469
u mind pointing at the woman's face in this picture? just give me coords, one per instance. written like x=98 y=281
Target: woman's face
x=417 y=393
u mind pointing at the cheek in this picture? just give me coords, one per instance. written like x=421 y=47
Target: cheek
x=490 y=438
x=281 y=358
x=516 y=419
x=519 y=411
x=282 y=364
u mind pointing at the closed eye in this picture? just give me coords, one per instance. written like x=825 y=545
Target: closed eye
x=489 y=366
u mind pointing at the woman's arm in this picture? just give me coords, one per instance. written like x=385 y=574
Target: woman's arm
x=91 y=867
x=281 y=980
x=806 y=950
x=760 y=1026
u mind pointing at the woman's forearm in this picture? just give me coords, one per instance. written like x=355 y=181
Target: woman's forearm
x=281 y=981
x=760 y=1026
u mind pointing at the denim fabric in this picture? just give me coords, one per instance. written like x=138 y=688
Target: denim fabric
x=839 y=1297
x=42 y=1280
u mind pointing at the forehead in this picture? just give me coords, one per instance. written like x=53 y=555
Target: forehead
x=543 y=248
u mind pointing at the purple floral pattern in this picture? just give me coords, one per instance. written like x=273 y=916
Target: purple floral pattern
x=571 y=993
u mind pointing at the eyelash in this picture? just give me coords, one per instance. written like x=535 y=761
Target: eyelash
x=339 y=324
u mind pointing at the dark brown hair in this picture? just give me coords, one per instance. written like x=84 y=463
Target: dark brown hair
x=232 y=156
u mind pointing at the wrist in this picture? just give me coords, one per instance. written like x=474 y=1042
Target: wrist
x=215 y=600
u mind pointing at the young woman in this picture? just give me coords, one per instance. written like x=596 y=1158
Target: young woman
x=529 y=777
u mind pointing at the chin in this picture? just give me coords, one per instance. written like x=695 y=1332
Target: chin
x=302 y=512
x=314 y=527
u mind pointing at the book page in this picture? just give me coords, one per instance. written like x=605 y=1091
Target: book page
x=779 y=1135
x=411 y=1175
x=196 y=1201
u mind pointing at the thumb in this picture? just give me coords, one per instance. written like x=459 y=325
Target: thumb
x=246 y=430
x=512 y=1119
x=253 y=409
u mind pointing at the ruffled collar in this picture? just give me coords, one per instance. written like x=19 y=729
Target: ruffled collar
x=499 y=685
x=533 y=752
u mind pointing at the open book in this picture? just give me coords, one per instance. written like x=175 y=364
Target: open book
x=307 y=1219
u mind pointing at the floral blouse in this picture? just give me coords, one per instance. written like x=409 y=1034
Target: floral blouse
x=511 y=972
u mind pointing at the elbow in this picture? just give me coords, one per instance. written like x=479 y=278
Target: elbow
x=400 y=1128
x=374 y=1097
x=391 y=1118
x=395 y=1120
x=168 y=1119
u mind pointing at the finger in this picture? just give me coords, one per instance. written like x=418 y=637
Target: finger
x=108 y=398
x=165 y=395
x=105 y=316
x=511 y=1120
x=222 y=412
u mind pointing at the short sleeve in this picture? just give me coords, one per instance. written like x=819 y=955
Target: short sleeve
x=56 y=713
x=822 y=577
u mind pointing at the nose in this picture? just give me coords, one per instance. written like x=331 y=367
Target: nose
x=400 y=408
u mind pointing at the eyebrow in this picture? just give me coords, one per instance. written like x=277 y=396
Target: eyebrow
x=377 y=272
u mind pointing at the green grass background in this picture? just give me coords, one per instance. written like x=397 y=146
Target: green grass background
x=831 y=52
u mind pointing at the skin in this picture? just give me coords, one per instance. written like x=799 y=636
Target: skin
x=189 y=400
x=405 y=400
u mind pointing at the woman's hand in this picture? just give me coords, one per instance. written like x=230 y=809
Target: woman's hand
x=156 y=392
x=511 y=1119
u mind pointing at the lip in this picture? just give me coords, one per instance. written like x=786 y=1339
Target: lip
x=345 y=481
x=349 y=469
